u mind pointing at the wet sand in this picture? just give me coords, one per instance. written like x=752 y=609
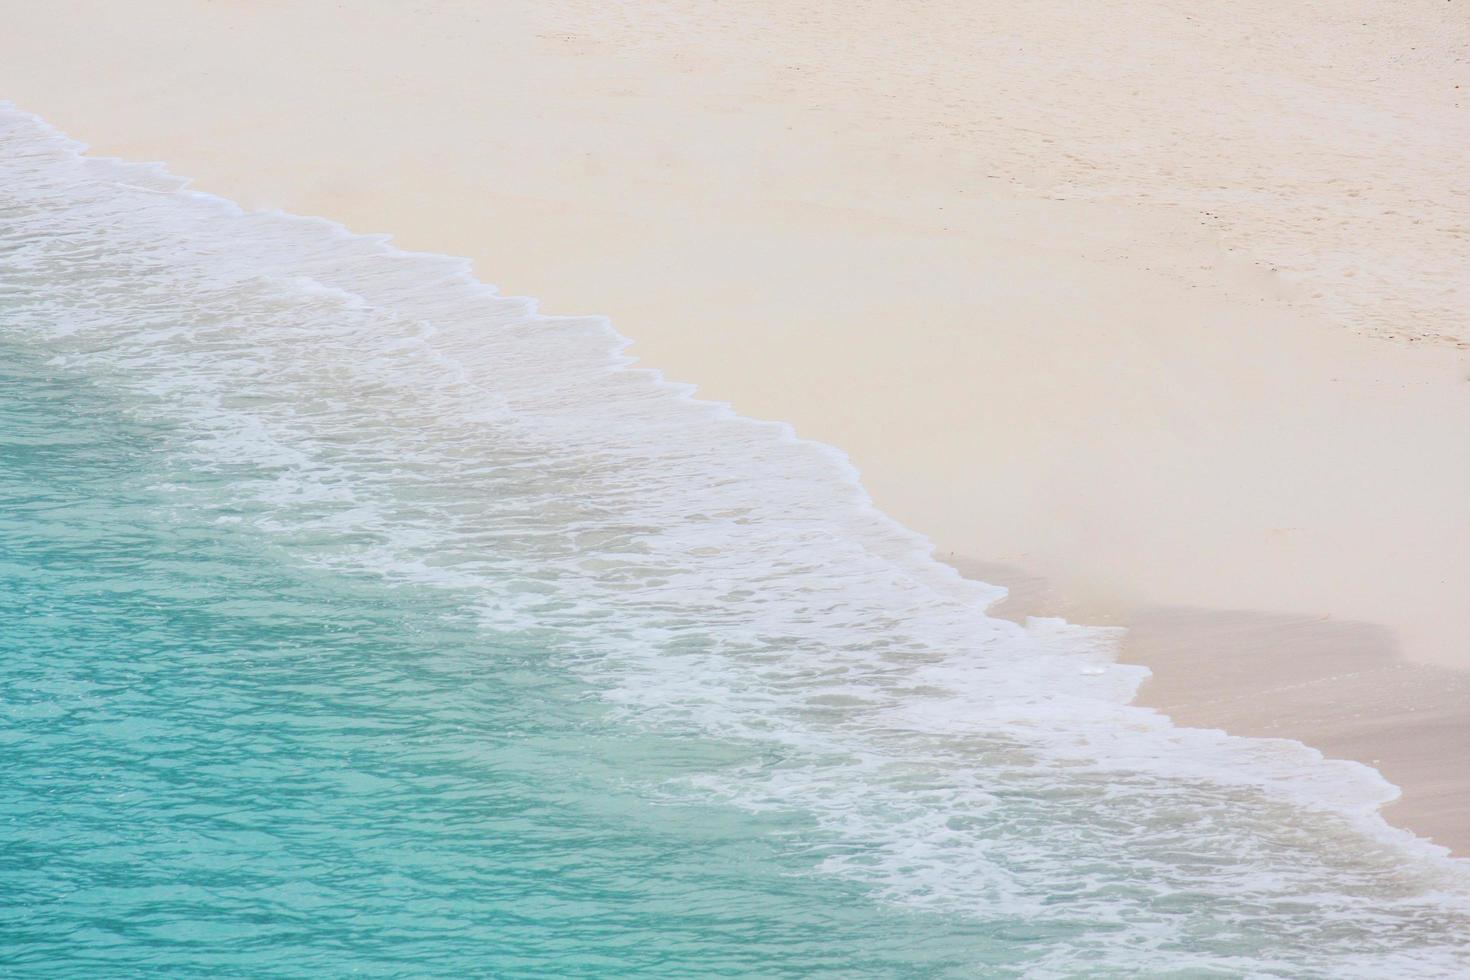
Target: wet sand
x=1342 y=687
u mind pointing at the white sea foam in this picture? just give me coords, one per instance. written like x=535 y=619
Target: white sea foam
x=381 y=411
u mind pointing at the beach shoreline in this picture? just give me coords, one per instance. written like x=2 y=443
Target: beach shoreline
x=1136 y=391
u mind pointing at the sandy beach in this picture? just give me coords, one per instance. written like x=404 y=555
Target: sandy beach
x=1159 y=315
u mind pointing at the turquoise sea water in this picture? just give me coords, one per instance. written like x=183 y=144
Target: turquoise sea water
x=214 y=759
x=357 y=619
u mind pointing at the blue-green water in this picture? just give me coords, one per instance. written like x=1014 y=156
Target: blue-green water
x=356 y=619
x=215 y=760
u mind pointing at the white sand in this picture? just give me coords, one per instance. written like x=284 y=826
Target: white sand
x=1100 y=291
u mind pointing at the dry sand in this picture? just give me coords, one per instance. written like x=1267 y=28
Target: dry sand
x=1165 y=304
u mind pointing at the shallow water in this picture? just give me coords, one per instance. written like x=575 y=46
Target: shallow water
x=357 y=618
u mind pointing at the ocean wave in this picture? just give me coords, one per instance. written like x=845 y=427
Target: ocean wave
x=384 y=413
